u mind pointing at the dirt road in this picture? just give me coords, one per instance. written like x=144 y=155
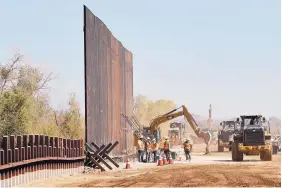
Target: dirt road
x=211 y=170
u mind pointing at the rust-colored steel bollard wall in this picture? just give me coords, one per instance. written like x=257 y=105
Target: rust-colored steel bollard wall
x=24 y=158
x=108 y=85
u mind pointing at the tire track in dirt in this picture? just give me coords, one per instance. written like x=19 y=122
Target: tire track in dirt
x=247 y=178
x=225 y=174
x=203 y=175
x=130 y=181
x=231 y=179
x=178 y=180
x=267 y=181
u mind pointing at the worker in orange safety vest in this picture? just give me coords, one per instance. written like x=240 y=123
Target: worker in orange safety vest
x=148 y=150
x=187 y=149
x=161 y=145
x=140 y=148
x=166 y=149
x=155 y=148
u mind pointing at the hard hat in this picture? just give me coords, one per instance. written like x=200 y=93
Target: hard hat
x=148 y=138
x=141 y=136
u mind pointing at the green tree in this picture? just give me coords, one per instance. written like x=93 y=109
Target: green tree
x=70 y=121
x=146 y=110
x=20 y=88
x=24 y=104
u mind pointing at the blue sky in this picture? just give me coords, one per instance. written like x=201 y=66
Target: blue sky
x=224 y=53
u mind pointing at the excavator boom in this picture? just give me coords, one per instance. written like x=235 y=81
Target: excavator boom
x=206 y=136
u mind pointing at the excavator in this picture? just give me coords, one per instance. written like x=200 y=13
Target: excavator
x=154 y=125
x=206 y=136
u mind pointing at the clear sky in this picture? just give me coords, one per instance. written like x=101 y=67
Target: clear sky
x=224 y=53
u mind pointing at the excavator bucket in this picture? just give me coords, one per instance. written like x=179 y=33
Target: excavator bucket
x=207 y=137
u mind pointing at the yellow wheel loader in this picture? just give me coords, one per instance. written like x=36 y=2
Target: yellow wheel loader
x=251 y=137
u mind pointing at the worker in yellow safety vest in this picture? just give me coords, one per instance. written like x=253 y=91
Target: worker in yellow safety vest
x=187 y=149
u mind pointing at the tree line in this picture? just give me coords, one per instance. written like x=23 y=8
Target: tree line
x=25 y=106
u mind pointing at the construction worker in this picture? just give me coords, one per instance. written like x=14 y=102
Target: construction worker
x=155 y=148
x=166 y=148
x=161 y=145
x=187 y=149
x=140 y=148
x=148 y=150
x=275 y=145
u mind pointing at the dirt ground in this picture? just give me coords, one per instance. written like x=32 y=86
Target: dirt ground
x=214 y=170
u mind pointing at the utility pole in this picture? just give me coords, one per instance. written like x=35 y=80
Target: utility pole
x=209 y=127
x=210 y=118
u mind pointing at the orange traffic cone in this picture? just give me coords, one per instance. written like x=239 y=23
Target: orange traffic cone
x=127 y=166
x=160 y=162
x=164 y=161
x=170 y=161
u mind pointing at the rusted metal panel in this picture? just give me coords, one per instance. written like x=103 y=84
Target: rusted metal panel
x=109 y=94
x=129 y=94
x=117 y=102
x=108 y=85
x=121 y=74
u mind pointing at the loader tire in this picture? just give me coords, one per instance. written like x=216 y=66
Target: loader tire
x=261 y=155
x=236 y=154
x=219 y=148
x=266 y=155
x=230 y=148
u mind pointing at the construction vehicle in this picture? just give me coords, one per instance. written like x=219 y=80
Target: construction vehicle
x=138 y=129
x=154 y=131
x=251 y=137
x=154 y=124
x=225 y=135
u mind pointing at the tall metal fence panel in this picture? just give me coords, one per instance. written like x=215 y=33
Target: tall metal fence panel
x=108 y=85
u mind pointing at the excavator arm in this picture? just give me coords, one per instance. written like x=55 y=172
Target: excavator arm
x=206 y=136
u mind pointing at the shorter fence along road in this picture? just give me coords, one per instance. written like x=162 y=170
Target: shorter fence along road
x=28 y=157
